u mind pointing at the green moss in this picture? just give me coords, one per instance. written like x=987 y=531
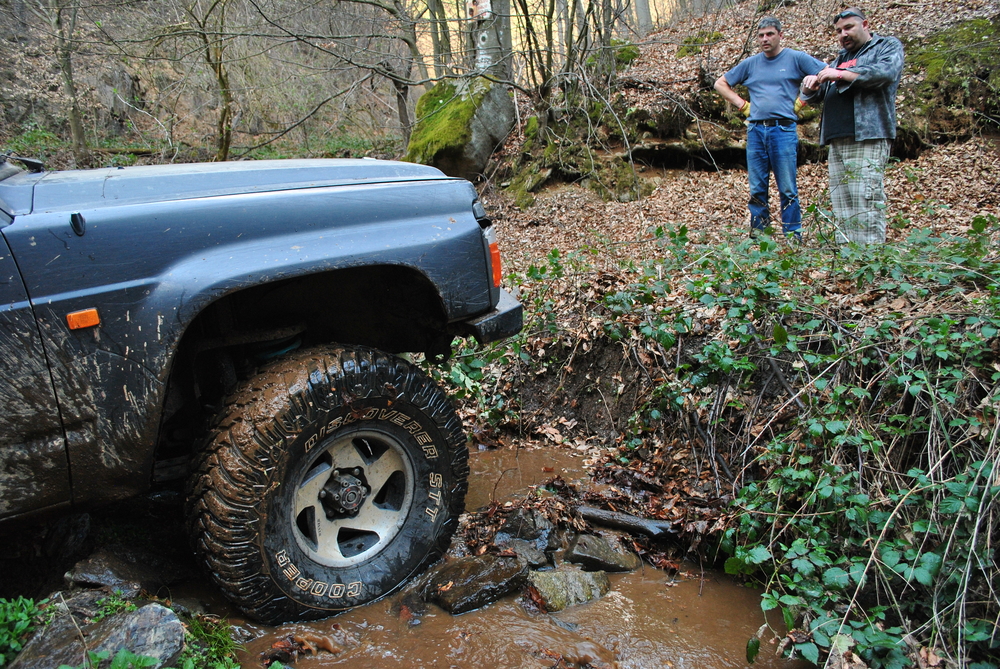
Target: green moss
x=564 y=153
x=963 y=48
x=960 y=81
x=595 y=112
x=527 y=181
x=618 y=181
x=625 y=52
x=530 y=134
x=444 y=114
x=549 y=152
x=531 y=128
x=692 y=45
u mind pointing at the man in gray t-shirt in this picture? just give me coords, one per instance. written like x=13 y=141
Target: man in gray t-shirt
x=772 y=77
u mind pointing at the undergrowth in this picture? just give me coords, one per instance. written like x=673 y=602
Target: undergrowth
x=850 y=398
x=18 y=620
x=867 y=495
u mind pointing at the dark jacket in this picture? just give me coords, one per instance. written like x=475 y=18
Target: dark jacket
x=880 y=64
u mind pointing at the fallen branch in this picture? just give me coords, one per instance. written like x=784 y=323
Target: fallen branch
x=629 y=523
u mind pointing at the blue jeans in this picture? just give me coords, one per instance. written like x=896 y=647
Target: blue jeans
x=773 y=149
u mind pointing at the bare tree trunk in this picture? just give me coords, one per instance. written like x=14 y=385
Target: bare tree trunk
x=503 y=10
x=550 y=45
x=212 y=33
x=603 y=27
x=644 y=17
x=492 y=39
x=224 y=127
x=440 y=38
x=402 y=108
x=560 y=18
x=64 y=54
x=409 y=37
x=61 y=19
x=467 y=37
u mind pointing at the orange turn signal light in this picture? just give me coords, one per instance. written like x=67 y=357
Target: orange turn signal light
x=87 y=318
x=495 y=261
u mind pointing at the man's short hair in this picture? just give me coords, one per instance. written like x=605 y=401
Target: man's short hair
x=849 y=12
x=769 y=22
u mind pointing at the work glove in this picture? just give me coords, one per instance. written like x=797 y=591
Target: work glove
x=800 y=106
x=745 y=109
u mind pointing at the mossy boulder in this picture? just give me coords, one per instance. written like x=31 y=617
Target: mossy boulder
x=459 y=124
x=692 y=45
x=625 y=52
x=957 y=82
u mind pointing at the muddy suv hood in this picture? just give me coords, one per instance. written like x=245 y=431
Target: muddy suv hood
x=27 y=192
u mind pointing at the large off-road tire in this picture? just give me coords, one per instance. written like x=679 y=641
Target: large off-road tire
x=331 y=478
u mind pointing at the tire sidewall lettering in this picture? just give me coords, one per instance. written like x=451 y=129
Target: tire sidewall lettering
x=243 y=490
x=321 y=586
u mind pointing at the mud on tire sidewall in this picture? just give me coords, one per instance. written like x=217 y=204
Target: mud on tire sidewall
x=324 y=588
x=242 y=492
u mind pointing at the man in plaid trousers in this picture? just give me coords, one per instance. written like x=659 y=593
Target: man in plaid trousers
x=858 y=93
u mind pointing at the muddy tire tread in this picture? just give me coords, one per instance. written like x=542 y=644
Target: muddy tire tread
x=235 y=468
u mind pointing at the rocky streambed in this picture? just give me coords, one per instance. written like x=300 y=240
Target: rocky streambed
x=549 y=589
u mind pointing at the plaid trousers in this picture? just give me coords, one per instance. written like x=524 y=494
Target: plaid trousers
x=857 y=189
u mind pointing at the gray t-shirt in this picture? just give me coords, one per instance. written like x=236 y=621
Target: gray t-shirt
x=773 y=82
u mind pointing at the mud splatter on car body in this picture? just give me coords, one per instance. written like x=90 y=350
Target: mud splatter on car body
x=190 y=277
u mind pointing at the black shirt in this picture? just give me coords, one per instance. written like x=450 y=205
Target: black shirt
x=838 y=108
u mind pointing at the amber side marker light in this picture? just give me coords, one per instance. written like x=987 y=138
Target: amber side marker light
x=87 y=318
x=495 y=258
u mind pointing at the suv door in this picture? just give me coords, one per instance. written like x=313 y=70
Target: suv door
x=34 y=470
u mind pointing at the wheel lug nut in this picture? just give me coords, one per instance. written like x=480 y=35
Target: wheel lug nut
x=322 y=494
x=356 y=471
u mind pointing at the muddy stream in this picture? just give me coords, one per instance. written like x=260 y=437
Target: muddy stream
x=649 y=619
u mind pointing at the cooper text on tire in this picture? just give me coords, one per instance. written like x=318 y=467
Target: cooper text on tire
x=331 y=478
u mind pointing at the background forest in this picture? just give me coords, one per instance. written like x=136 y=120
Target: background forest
x=224 y=79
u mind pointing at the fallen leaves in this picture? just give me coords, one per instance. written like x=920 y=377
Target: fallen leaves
x=288 y=648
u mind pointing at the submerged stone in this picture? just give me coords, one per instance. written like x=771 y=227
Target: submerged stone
x=528 y=552
x=529 y=525
x=597 y=554
x=469 y=583
x=126 y=570
x=565 y=587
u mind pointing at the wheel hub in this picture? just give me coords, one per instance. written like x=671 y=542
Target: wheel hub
x=343 y=494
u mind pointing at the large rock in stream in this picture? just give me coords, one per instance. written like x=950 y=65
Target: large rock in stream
x=597 y=554
x=126 y=570
x=468 y=583
x=563 y=587
x=529 y=525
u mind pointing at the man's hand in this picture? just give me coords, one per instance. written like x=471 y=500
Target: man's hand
x=745 y=109
x=810 y=83
x=829 y=74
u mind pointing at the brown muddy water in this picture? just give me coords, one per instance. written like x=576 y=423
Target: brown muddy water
x=649 y=619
